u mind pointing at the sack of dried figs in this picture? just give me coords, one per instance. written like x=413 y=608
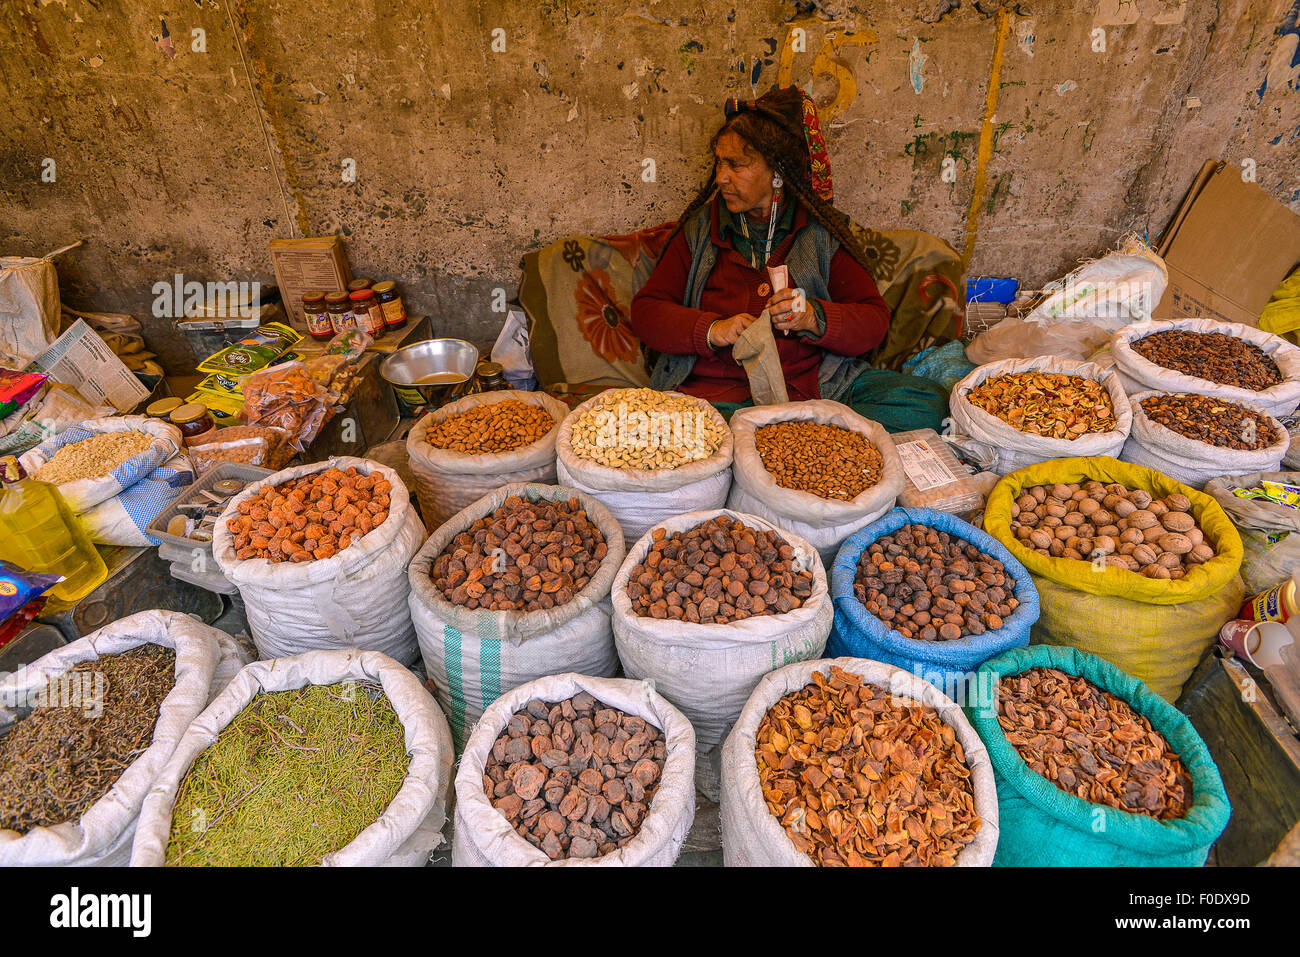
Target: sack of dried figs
x=1128 y=563
x=472 y=652
x=708 y=668
x=1228 y=360
x=927 y=619
x=1193 y=438
x=1032 y=410
x=1125 y=782
x=960 y=826
x=827 y=509
x=584 y=771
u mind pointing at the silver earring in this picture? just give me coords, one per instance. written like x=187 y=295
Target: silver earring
x=777 y=181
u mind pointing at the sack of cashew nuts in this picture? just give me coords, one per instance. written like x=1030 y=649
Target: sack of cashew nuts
x=337 y=577
x=1129 y=564
x=475 y=445
x=816 y=468
x=647 y=455
x=474 y=652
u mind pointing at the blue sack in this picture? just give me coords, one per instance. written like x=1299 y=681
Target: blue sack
x=949 y=665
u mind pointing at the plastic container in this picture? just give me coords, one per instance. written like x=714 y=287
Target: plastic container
x=39 y=533
x=1273 y=604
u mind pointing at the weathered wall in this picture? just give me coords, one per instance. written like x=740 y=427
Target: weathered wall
x=168 y=159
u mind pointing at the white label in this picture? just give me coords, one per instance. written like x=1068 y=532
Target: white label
x=923 y=466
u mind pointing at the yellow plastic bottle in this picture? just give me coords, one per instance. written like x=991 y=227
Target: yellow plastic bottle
x=39 y=533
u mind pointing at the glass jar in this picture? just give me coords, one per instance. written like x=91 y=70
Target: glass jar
x=195 y=422
x=316 y=315
x=491 y=376
x=162 y=409
x=339 y=308
x=369 y=313
x=356 y=284
x=394 y=309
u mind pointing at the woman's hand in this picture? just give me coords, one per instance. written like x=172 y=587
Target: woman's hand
x=725 y=332
x=782 y=308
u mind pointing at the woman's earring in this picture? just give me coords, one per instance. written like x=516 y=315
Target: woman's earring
x=777 y=181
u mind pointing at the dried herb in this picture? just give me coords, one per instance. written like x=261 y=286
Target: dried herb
x=295 y=776
x=88 y=725
x=1049 y=404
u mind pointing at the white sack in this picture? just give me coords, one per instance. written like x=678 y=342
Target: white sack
x=1189 y=461
x=355 y=599
x=29 y=308
x=1141 y=374
x=641 y=498
x=404 y=835
x=102 y=837
x=446 y=480
x=472 y=656
x=1017 y=449
x=753 y=837
x=483 y=837
x=709 y=670
x=825 y=523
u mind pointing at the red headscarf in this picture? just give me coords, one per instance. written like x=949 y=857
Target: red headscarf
x=819 y=163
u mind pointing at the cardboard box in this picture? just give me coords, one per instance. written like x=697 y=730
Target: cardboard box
x=1227 y=248
x=303 y=265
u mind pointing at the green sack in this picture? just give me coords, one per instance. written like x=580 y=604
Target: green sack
x=1042 y=826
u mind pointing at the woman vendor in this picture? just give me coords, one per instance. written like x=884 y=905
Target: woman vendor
x=767 y=203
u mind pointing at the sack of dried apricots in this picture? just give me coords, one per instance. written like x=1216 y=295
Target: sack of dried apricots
x=319 y=554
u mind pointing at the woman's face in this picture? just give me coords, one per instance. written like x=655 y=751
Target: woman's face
x=744 y=179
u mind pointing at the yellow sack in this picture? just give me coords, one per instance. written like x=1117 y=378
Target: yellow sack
x=1153 y=629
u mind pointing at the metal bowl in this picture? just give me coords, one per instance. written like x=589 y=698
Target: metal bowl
x=446 y=358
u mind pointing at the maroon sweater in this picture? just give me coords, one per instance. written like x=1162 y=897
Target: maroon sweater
x=857 y=318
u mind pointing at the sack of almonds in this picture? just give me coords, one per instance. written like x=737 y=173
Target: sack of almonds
x=319 y=554
x=1192 y=437
x=1128 y=564
x=707 y=603
x=512 y=588
x=475 y=445
x=96 y=739
x=572 y=770
x=647 y=455
x=1228 y=360
x=1269 y=540
x=805 y=722
x=1032 y=410
x=816 y=468
x=1092 y=767
x=929 y=593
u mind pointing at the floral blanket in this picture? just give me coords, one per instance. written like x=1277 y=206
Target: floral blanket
x=578 y=292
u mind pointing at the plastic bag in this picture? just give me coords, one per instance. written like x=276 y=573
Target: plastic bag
x=1270 y=532
x=287 y=397
x=262 y=446
x=18 y=587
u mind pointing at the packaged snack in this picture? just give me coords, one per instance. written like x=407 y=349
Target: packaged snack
x=225 y=409
x=266 y=344
x=935 y=477
x=16 y=388
x=287 y=397
x=18 y=587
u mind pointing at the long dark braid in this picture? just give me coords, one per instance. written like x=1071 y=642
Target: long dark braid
x=767 y=130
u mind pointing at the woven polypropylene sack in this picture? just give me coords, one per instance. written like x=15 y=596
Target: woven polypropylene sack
x=357 y=598
x=103 y=834
x=1043 y=825
x=1270 y=547
x=753 y=837
x=410 y=828
x=446 y=481
x=483 y=837
x=472 y=656
x=824 y=522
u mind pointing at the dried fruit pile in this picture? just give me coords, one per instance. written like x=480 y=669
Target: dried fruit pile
x=316 y=516
x=498 y=427
x=91 y=458
x=1091 y=744
x=1212 y=356
x=524 y=556
x=932 y=586
x=824 y=460
x=575 y=778
x=1049 y=404
x=90 y=723
x=719 y=571
x=1204 y=418
x=856 y=778
x=1125 y=528
x=645 y=429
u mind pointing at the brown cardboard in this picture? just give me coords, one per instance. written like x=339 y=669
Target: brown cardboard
x=303 y=265
x=1227 y=248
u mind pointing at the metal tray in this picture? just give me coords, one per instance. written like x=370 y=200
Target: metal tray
x=225 y=470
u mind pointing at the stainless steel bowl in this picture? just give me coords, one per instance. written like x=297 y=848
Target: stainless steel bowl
x=404 y=369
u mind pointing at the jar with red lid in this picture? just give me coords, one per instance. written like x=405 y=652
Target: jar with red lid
x=394 y=310
x=316 y=315
x=339 y=307
x=369 y=312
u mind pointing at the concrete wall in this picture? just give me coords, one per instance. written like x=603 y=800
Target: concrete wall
x=169 y=159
